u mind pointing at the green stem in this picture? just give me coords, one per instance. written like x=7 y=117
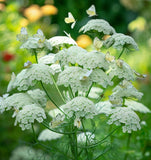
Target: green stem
x=86 y=143
x=58 y=89
x=67 y=133
x=87 y=94
x=71 y=93
x=34 y=133
x=127 y=146
x=101 y=141
x=52 y=99
x=121 y=53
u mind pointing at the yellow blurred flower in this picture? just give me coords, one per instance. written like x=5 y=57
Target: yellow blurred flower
x=49 y=10
x=33 y=13
x=84 y=41
x=24 y=22
x=139 y=24
x=2 y=6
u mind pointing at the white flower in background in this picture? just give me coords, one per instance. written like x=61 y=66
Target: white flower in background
x=121 y=69
x=47 y=135
x=136 y=106
x=29 y=76
x=87 y=136
x=47 y=59
x=39 y=96
x=80 y=107
x=11 y=82
x=93 y=59
x=120 y=41
x=28 y=115
x=23 y=36
x=70 y=55
x=104 y=107
x=126 y=89
x=61 y=41
x=98 y=25
x=37 y=41
x=28 y=153
x=57 y=120
x=126 y=117
x=77 y=123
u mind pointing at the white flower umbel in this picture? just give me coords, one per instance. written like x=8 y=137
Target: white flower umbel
x=87 y=136
x=61 y=41
x=55 y=68
x=95 y=92
x=47 y=135
x=28 y=153
x=47 y=59
x=17 y=101
x=120 y=41
x=69 y=55
x=39 y=96
x=29 y=76
x=126 y=117
x=136 y=106
x=98 y=25
x=126 y=89
x=36 y=41
x=104 y=107
x=80 y=107
x=121 y=69
x=93 y=59
x=71 y=76
x=28 y=115
x=100 y=77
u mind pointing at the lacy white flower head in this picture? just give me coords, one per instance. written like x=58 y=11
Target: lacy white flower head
x=126 y=117
x=23 y=36
x=39 y=96
x=81 y=79
x=125 y=89
x=121 y=69
x=36 y=41
x=104 y=107
x=16 y=101
x=47 y=59
x=61 y=41
x=28 y=115
x=28 y=153
x=120 y=41
x=80 y=107
x=136 y=106
x=3 y=104
x=87 y=136
x=69 y=55
x=98 y=25
x=47 y=135
x=29 y=76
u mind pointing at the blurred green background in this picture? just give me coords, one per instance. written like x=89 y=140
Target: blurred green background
x=132 y=17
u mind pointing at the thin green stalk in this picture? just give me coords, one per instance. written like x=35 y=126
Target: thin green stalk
x=86 y=143
x=52 y=99
x=58 y=89
x=87 y=94
x=67 y=133
x=121 y=53
x=70 y=90
x=34 y=133
x=101 y=141
x=127 y=146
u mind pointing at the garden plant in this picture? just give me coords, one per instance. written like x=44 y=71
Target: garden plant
x=80 y=98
